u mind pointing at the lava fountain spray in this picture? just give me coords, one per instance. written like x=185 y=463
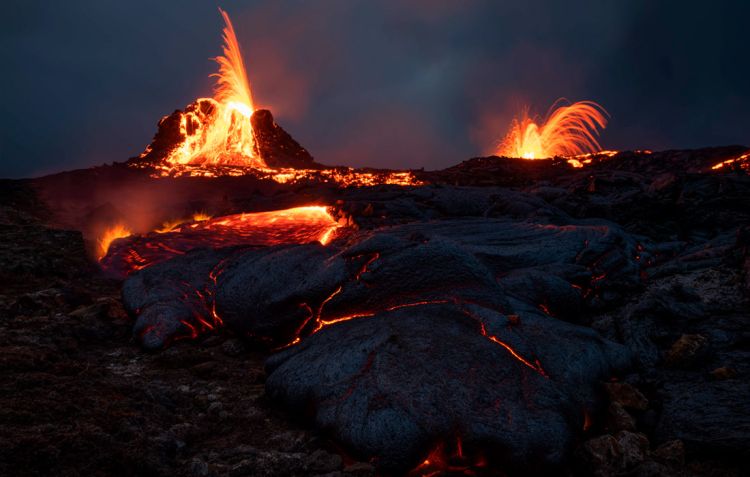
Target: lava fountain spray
x=567 y=130
x=218 y=130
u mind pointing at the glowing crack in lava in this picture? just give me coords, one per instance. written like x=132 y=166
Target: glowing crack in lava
x=135 y=252
x=218 y=131
x=567 y=130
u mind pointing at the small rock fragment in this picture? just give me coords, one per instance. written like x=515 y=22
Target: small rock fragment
x=634 y=447
x=686 y=351
x=359 y=469
x=649 y=468
x=321 y=461
x=215 y=407
x=722 y=373
x=618 y=419
x=671 y=453
x=627 y=396
x=601 y=456
x=233 y=347
x=198 y=468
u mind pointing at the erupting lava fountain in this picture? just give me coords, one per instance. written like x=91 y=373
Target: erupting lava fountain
x=218 y=130
x=568 y=130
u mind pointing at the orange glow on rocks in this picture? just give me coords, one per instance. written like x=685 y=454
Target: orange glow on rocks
x=568 y=130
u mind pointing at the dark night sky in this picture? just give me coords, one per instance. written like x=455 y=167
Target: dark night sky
x=396 y=83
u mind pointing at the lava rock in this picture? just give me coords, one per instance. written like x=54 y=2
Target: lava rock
x=601 y=456
x=626 y=395
x=613 y=455
x=388 y=387
x=321 y=462
x=618 y=419
x=686 y=351
x=706 y=415
x=723 y=373
x=414 y=333
x=635 y=447
x=671 y=453
x=275 y=146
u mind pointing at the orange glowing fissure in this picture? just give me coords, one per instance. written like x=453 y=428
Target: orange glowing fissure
x=569 y=130
x=449 y=459
x=320 y=323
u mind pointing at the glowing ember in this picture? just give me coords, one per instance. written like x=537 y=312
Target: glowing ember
x=218 y=130
x=568 y=130
x=297 y=225
x=109 y=235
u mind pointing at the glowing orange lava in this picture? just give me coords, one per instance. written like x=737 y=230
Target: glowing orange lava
x=109 y=235
x=214 y=137
x=171 y=225
x=218 y=130
x=742 y=161
x=296 y=225
x=340 y=176
x=568 y=130
x=536 y=365
x=445 y=459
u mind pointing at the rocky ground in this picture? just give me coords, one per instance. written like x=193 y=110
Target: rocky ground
x=79 y=396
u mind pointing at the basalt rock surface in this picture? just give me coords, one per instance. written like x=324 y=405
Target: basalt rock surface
x=403 y=336
x=621 y=289
x=396 y=385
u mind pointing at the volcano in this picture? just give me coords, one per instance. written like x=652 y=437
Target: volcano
x=223 y=304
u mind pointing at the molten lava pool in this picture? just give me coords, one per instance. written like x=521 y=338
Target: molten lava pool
x=297 y=225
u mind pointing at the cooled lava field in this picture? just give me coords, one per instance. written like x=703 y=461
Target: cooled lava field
x=500 y=317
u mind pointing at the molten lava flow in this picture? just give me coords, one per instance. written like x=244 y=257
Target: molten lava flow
x=109 y=235
x=218 y=130
x=340 y=176
x=742 y=161
x=297 y=225
x=568 y=130
x=585 y=159
x=171 y=225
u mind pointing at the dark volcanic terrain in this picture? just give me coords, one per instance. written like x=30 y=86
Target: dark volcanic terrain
x=506 y=317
